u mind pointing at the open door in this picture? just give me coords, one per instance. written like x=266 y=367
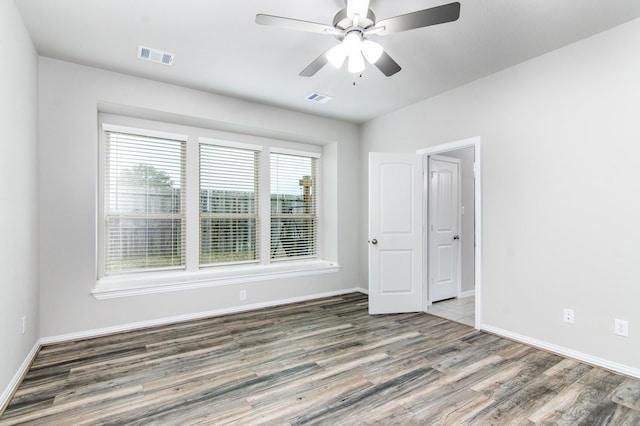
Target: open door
x=395 y=233
x=444 y=228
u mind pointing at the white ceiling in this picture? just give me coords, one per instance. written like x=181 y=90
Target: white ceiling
x=220 y=49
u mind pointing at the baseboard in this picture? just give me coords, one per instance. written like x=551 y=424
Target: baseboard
x=17 y=378
x=189 y=317
x=362 y=290
x=561 y=350
x=467 y=293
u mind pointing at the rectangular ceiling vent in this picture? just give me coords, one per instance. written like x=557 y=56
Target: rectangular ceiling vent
x=155 y=55
x=318 y=98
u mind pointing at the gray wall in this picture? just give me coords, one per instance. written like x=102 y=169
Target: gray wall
x=560 y=156
x=19 y=177
x=70 y=97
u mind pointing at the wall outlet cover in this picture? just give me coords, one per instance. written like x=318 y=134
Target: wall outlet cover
x=568 y=316
x=621 y=327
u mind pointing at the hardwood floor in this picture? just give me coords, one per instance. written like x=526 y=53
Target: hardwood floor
x=319 y=362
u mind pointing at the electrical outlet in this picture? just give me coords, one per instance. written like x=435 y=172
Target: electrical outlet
x=568 y=316
x=24 y=324
x=621 y=327
x=243 y=294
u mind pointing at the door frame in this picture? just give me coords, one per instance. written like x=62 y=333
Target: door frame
x=474 y=142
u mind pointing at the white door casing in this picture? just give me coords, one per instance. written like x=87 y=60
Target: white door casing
x=395 y=233
x=443 y=228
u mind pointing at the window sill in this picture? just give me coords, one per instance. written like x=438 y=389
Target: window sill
x=161 y=282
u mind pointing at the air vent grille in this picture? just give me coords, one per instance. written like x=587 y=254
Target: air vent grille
x=318 y=98
x=155 y=55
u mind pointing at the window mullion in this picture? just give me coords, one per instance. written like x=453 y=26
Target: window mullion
x=193 y=198
x=265 y=209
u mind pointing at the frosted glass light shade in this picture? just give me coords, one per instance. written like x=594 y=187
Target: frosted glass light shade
x=352 y=44
x=371 y=51
x=356 y=63
x=337 y=55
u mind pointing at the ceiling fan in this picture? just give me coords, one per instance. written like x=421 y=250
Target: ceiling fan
x=353 y=26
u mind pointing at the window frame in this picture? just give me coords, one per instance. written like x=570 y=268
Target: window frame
x=257 y=149
x=103 y=214
x=313 y=216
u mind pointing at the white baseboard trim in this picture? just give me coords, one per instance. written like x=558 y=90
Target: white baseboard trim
x=152 y=283
x=561 y=350
x=362 y=290
x=17 y=378
x=467 y=293
x=189 y=317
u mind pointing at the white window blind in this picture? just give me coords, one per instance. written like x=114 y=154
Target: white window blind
x=294 y=210
x=144 y=201
x=229 y=222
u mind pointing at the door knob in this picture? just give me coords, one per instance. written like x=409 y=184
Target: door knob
x=456 y=237
x=374 y=241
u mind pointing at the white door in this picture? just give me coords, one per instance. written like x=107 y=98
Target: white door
x=395 y=233
x=443 y=226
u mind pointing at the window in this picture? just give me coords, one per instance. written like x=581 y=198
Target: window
x=144 y=203
x=294 y=218
x=229 y=202
x=185 y=207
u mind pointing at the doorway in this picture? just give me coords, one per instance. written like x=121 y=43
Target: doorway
x=461 y=303
x=396 y=230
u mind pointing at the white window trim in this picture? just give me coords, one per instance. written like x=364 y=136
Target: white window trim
x=141 y=283
x=108 y=127
x=230 y=144
x=160 y=282
x=278 y=150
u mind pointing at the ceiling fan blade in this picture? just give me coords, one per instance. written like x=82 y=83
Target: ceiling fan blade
x=387 y=65
x=294 y=24
x=422 y=18
x=315 y=66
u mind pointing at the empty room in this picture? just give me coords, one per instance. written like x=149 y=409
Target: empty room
x=320 y=212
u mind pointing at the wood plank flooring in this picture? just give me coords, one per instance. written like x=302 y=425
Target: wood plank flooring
x=319 y=362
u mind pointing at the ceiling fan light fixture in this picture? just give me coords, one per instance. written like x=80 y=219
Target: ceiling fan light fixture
x=371 y=51
x=353 y=25
x=356 y=63
x=337 y=55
